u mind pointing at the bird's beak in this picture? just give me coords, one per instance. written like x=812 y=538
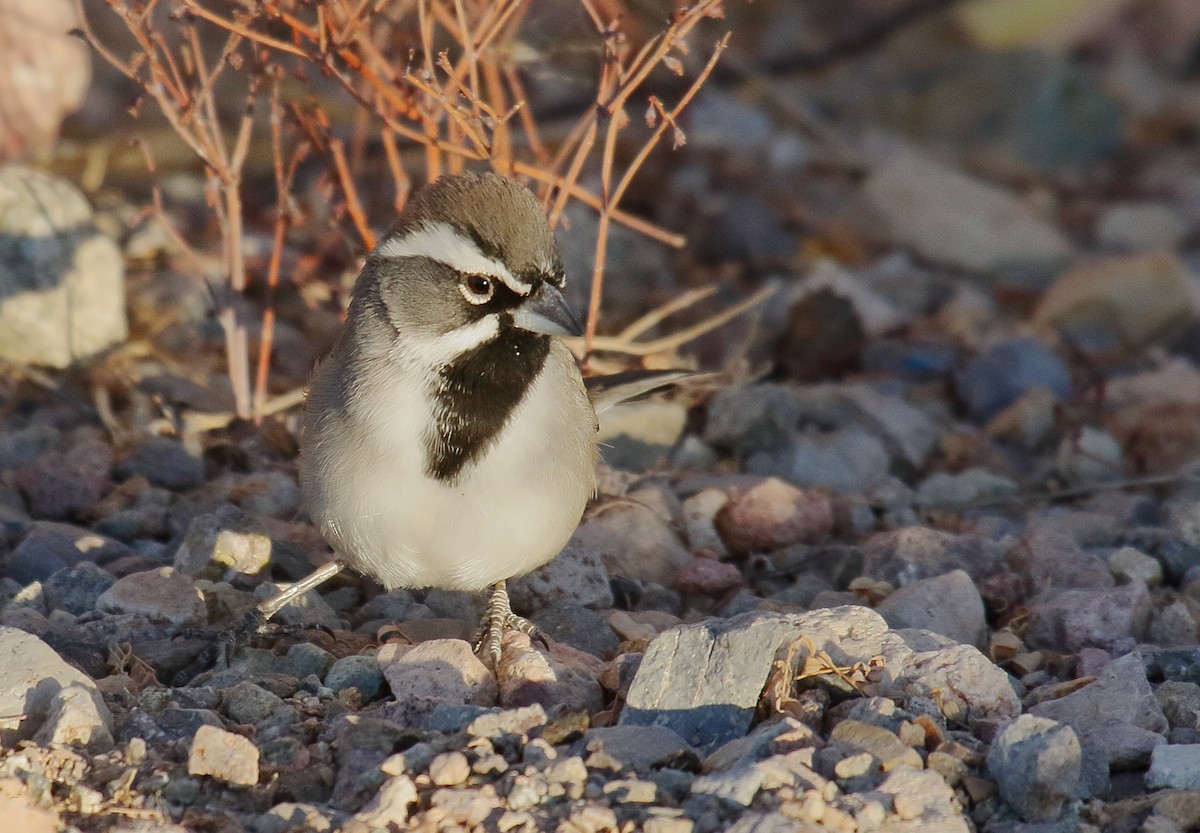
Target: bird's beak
x=546 y=312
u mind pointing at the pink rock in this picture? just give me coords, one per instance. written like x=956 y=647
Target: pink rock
x=703 y=575
x=773 y=515
x=565 y=676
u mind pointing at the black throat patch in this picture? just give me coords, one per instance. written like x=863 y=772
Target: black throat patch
x=475 y=396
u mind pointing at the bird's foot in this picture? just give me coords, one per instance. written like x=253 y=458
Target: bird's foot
x=498 y=619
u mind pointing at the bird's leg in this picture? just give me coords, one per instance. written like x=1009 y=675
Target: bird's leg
x=256 y=621
x=496 y=620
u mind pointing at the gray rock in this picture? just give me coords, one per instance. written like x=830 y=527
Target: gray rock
x=249 y=703
x=1005 y=372
x=1074 y=619
x=907 y=555
x=949 y=605
x=921 y=203
x=218 y=542
x=164 y=461
x=848 y=461
x=923 y=801
x=159 y=594
x=1116 y=718
x=703 y=681
x=76 y=589
x=630 y=539
x=1131 y=226
x=576 y=576
x=1180 y=703
x=440 y=671
x=1036 y=763
x=306 y=658
x=19 y=446
x=60 y=486
x=580 y=628
x=638 y=747
x=1091 y=456
x=752 y=418
x=945 y=489
x=49 y=547
x=39 y=693
x=356 y=671
x=62 y=281
x=1175 y=767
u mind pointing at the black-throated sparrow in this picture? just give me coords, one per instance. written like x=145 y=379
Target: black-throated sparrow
x=448 y=440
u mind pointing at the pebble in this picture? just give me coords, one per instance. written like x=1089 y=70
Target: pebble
x=879 y=743
x=306 y=659
x=1134 y=565
x=1174 y=767
x=847 y=461
x=308 y=609
x=1091 y=456
x=1037 y=764
x=58 y=486
x=1075 y=619
x=449 y=769
x=216 y=543
x=637 y=747
x=1140 y=226
x=164 y=461
x=49 y=547
x=773 y=515
x=577 y=576
x=76 y=589
x=249 y=703
x=358 y=671
x=752 y=418
x=438 y=671
x=159 y=594
x=391 y=806
x=580 y=628
x=904 y=556
x=949 y=605
x=631 y=540
x=223 y=755
x=1180 y=704
x=1005 y=372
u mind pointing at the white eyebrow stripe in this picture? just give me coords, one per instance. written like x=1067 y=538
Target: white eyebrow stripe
x=441 y=242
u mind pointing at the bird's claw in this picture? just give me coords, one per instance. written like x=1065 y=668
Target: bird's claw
x=498 y=619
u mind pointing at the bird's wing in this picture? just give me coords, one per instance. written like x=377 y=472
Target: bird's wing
x=615 y=388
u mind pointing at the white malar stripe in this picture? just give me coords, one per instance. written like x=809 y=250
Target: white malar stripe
x=439 y=351
x=440 y=242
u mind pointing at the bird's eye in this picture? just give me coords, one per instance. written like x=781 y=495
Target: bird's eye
x=479 y=288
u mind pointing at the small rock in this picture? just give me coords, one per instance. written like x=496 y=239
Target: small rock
x=49 y=547
x=1074 y=619
x=1037 y=764
x=33 y=675
x=1090 y=457
x=704 y=575
x=62 y=281
x=577 y=575
x=945 y=489
x=449 y=769
x=847 y=461
x=223 y=755
x=631 y=540
x=921 y=202
x=1140 y=227
x=159 y=594
x=77 y=717
x=220 y=541
x=752 y=418
x=1174 y=767
x=307 y=658
x=907 y=555
x=699 y=521
x=76 y=589
x=249 y=703
x=949 y=605
x=638 y=747
x=773 y=515
x=1134 y=565
x=1007 y=371
x=853 y=737
x=565 y=677
x=164 y=461
x=1116 y=717
x=580 y=628
x=358 y=671
x=390 y=807
x=437 y=671
x=57 y=486
x=1173 y=625
x=1119 y=302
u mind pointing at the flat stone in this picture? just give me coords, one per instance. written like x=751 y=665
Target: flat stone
x=637 y=747
x=160 y=594
x=884 y=746
x=223 y=755
x=436 y=672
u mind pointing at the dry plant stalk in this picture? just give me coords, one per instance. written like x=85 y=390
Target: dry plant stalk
x=439 y=76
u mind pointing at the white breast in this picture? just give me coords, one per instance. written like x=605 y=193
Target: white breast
x=508 y=513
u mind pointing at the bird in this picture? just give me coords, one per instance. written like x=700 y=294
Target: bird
x=449 y=439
